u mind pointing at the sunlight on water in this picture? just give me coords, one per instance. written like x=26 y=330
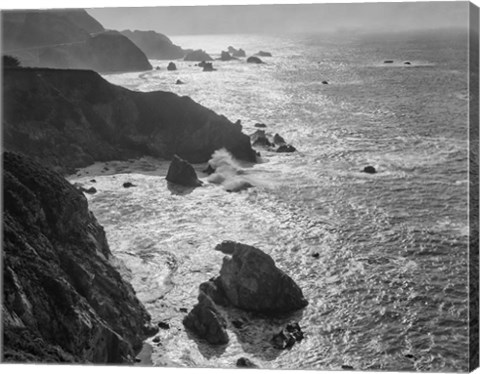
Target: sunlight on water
x=388 y=288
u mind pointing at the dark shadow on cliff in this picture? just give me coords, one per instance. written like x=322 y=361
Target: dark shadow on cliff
x=207 y=350
x=176 y=189
x=255 y=331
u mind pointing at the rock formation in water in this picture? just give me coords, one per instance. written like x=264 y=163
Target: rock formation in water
x=225 y=56
x=171 y=66
x=198 y=55
x=63 y=301
x=70 y=119
x=285 y=148
x=182 y=173
x=260 y=138
x=251 y=281
x=155 y=45
x=68 y=39
x=369 y=170
x=236 y=52
x=254 y=60
x=208 y=66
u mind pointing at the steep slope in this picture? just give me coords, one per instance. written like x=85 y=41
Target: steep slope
x=62 y=299
x=155 y=45
x=68 y=39
x=70 y=119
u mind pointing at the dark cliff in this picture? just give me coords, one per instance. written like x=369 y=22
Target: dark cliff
x=62 y=299
x=155 y=45
x=70 y=119
x=68 y=39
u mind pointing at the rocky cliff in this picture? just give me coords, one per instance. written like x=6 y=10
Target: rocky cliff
x=68 y=39
x=62 y=299
x=155 y=45
x=70 y=119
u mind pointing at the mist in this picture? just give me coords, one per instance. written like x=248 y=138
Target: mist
x=286 y=18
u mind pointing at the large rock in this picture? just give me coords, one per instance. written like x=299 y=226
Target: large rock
x=182 y=173
x=259 y=137
x=198 y=55
x=155 y=45
x=251 y=281
x=63 y=301
x=225 y=56
x=72 y=118
x=68 y=39
x=171 y=66
x=206 y=321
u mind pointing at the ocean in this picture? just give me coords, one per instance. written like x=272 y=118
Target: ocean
x=382 y=258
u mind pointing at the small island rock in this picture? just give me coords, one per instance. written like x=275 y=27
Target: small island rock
x=182 y=173
x=171 y=66
x=254 y=60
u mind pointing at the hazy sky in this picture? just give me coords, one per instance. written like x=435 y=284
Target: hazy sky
x=289 y=18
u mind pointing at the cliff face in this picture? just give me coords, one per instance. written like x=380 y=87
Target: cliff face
x=155 y=45
x=70 y=119
x=62 y=299
x=68 y=39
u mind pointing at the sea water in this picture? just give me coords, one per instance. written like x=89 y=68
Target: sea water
x=388 y=289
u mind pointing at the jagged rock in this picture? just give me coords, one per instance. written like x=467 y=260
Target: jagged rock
x=250 y=280
x=171 y=66
x=239 y=53
x=278 y=140
x=291 y=334
x=260 y=125
x=155 y=45
x=91 y=190
x=286 y=148
x=85 y=119
x=254 y=60
x=62 y=300
x=209 y=170
x=182 y=173
x=206 y=321
x=129 y=184
x=263 y=54
x=244 y=362
x=208 y=66
x=369 y=170
x=198 y=55
x=179 y=82
x=259 y=137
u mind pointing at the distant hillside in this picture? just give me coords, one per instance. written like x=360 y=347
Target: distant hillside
x=155 y=45
x=68 y=39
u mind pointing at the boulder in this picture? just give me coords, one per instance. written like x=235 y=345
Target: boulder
x=171 y=66
x=259 y=137
x=251 y=281
x=208 y=67
x=198 y=55
x=244 y=362
x=129 y=184
x=278 y=140
x=388 y=62
x=291 y=334
x=407 y=63
x=324 y=82
x=286 y=148
x=369 y=170
x=206 y=321
x=182 y=173
x=254 y=60
x=260 y=125
x=263 y=54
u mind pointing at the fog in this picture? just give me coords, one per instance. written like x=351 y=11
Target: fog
x=286 y=18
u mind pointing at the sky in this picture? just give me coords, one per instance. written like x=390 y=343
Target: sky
x=173 y=20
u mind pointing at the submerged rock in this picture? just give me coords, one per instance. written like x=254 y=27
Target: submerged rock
x=286 y=148
x=163 y=325
x=254 y=60
x=171 y=66
x=182 y=173
x=251 y=281
x=206 y=321
x=369 y=170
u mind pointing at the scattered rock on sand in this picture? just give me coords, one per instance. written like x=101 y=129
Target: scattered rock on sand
x=182 y=173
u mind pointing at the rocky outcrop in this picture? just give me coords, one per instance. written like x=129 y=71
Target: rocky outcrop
x=70 y=119
x=198 y=55
x=288 y=336
x=263 y=54
x=69 y=39
x=182 y=173
x=254 y=60
x=171 y=66
x=206 y=321
x=260 y=138
x=250 y=281
x=155 y=45
x=236 y=52
x=63 y=301
x=225 y=56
